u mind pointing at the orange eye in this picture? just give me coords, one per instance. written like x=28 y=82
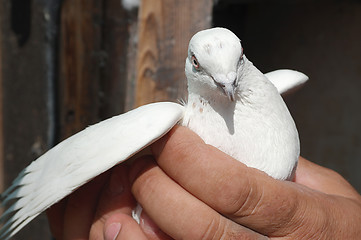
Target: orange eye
x=195 y=62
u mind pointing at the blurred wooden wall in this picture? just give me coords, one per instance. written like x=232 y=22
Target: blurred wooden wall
x=67 y=64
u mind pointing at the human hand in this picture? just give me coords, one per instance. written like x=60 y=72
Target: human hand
x=202 y=185
x=194 y=191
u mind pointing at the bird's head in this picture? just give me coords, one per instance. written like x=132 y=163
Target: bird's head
x=215 y=57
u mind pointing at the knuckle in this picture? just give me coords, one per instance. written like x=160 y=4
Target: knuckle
x=238 y=198
x=245 y=203
x=215 y=229
x=222 y=228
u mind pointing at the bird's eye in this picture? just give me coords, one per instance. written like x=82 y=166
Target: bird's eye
x=195 y=62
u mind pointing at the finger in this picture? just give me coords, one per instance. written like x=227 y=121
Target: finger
x=122 y=226
x=114 y=198
x=323 y=179
x=178 y=213
x=80 y=209
x=245 y=195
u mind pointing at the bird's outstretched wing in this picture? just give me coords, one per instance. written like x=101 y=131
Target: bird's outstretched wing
x=286 y=80
x=80 y=158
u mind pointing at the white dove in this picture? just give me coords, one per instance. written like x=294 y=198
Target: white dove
x=231 y=105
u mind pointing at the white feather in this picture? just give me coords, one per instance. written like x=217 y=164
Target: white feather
x=286 y=80
x=83 y=156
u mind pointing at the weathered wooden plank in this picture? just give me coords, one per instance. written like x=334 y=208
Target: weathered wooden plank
x=80 y=59
x=25 y=107
x=165 y=28
x=2 y=172
x=132 y=49
x=118 y=63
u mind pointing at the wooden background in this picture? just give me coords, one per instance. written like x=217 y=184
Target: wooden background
x=67 y=64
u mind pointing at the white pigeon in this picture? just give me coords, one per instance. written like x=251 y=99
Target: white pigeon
x=231 y=105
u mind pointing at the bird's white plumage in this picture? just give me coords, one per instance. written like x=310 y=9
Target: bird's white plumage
x=286 y=80
x=256 y=128
x=231 y=105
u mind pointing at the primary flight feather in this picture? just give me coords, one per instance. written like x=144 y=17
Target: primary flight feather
x=231 y=105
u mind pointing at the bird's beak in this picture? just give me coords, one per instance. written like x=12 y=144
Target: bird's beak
x=227 y=83
x=229 y=90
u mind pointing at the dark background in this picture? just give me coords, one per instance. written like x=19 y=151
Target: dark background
x=67 y=64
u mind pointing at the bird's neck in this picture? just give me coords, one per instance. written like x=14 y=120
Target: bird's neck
x=206 y=111
x=208 y=99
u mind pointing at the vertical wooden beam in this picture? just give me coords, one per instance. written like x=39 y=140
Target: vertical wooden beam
x=80 y=59
x=131 y=66
x=114 y=66
x=25 y=111
x=2 y=173
x=165 y=28
x=118 y=63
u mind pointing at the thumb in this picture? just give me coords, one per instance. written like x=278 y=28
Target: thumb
x=323 y=179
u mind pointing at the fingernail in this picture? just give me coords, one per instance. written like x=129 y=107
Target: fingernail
x=112 y=231
x=116 y=184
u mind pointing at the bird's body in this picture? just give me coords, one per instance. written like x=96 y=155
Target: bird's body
x=231 y=105
x=255 y=128
x=248 y=129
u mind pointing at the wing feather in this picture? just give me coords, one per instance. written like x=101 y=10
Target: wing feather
x=82 y=157
x=286 y=80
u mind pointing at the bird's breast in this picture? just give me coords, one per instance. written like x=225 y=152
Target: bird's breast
x=268 y=142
